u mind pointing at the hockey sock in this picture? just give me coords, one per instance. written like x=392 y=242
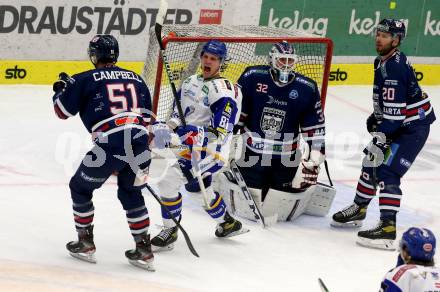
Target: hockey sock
x=138 y=221
x=389 y=201
x=83 y=215
x=174 y=206
x=217 y=208
x=388 y=215
x=365 y=191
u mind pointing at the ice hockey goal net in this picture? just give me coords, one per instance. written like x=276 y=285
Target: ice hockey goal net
x=247 y=46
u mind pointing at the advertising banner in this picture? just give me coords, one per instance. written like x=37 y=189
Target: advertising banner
x=61 y=30
x=351 y=23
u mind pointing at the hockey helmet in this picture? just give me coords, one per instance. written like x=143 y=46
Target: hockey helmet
x=282 y=58
x=216 y=48
x=419 y=243
x=103 y=48
x=393 y=26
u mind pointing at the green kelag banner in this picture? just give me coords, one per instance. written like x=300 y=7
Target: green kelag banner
x=350 y=23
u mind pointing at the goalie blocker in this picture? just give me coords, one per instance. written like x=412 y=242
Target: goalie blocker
x=283 y=206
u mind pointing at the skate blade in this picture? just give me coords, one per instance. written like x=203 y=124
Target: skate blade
x=384 y=244
x=155 y=248
x=351 y=224
x=238 y=232
x=87 y=257
x=146 y=265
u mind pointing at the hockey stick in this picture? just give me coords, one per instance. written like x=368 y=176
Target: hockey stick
x=158 y=30
x=328 y=173
x=187 y=239
x=198 y=174
x=322 y=285
x=246 y=193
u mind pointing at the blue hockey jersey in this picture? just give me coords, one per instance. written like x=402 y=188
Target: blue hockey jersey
x=273 y=116
x=106 y=99
x=397 y=97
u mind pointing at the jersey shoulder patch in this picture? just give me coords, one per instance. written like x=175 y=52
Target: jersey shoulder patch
x=253 y=70
x=220 y=85
x=306 y=81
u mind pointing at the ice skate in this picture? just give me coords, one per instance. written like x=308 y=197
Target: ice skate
x=142 y=256
x=231 y=227
x=165 y=239
x=382 y=236
x=84 y=248
x=351 y=216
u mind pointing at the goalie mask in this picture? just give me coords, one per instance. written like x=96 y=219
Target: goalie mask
x=395 y=27
x=282 y=58
x=103 y=48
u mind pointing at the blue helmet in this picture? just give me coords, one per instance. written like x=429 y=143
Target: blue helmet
x=393 y=26
x=282 y=58
x=419 y=243
x=216 y=48
x=103 y=48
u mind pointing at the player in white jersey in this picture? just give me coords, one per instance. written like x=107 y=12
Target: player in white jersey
x=211 y=106
x=415 y=271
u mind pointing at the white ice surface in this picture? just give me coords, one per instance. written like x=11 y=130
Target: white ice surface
x=38 y=154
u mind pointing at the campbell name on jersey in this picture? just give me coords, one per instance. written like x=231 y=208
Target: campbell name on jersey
x=212 y=103
x=397 y=97
x=412 y=278
x=273 y=116
x=101 y=94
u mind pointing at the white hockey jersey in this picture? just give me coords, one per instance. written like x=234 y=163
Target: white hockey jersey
x=205 y=103
x=412 y=278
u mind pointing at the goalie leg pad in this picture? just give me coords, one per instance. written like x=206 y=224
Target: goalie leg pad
x=236 y=204
x=321 y=200
x=287 y=206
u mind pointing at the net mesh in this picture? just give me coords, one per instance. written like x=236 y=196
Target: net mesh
x=247 y=46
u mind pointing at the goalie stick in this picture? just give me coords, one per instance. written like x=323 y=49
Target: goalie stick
x=246 y=193
x=188 y=241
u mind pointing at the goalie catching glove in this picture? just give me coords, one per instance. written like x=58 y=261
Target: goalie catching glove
x=308 y=170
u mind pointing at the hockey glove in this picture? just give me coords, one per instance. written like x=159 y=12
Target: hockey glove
x=377 y=148
x=372 y=124
x=308 y=170
x=63 y=80
x=192 y=135
x=162 y=135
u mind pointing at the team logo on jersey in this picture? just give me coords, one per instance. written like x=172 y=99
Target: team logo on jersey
x=189 y=110
x=272 y=120
x=206 y=101
x=228 y=109
x=273 y=100
x=405 y=163
x=189 y=93
x=205 y=89
x=293 y=94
